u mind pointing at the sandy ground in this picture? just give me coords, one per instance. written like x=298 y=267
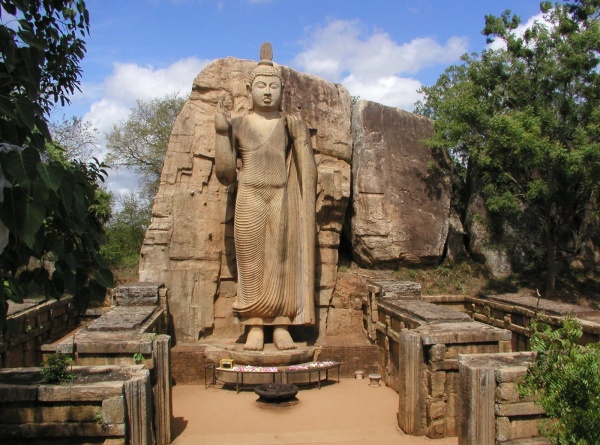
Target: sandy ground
x=349 y=412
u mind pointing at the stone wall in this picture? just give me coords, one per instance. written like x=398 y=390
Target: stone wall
x=419 y=347
x=132 y=333
x=515 y=311
x=491 y=409
x=109 y=412
x=32 y=325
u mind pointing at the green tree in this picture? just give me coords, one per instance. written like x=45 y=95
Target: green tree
x=50 y=208
x=125 y=233
x=523 y=121
x=140 y=142
x=565 y=380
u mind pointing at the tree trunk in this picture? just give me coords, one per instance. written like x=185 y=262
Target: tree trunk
x=551 y=266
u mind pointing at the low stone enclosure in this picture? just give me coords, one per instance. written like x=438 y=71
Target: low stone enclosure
x=135 y=409
x=79 y=412
x=454 y=360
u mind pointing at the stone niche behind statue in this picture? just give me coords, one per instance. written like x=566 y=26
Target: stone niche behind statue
x=190 y=242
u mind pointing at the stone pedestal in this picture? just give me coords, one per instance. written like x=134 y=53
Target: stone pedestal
x=491 y=410
x=270 y=356
x=428 y=369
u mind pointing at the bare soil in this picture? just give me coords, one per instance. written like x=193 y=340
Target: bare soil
x=349 y=412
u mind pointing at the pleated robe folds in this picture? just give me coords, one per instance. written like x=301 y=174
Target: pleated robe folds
x=272 y=226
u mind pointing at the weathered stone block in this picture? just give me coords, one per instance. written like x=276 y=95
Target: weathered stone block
x=437 y=429
x=520 y=429
x=437 y=383
x=503 y=430
x=138 y=294
x=518 y=409
x=400 y=210
x=113 y=410
x=507 y=393
x=436 y=410
x=437 y=353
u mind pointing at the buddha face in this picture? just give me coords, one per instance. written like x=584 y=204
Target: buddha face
x=266 y=93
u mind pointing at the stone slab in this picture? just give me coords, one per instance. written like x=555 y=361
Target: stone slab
x=394 y=288
x=423 y=311
x=466 y=332
x=546 y=306
x=118 y=342
x=122 y=318
x=138 y=294
x=511 y=362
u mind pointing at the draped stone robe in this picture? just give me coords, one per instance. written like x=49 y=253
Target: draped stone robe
x=272 y=225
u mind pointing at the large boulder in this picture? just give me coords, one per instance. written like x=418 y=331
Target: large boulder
x=189 y=243
x=401 y=189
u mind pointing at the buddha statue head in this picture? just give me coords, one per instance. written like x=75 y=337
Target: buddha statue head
x=266 y=85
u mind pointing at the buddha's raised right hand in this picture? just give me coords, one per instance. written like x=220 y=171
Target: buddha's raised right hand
x=222 y=122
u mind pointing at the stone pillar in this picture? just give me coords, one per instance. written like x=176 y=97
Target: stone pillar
x=161 y=356
x=477 y=390
x=138 y=399
x=411 y=391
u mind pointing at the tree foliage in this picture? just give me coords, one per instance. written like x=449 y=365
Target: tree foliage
x=125 y=232
x=566 y=383
x=49 y=207
x=74 y=138
x=140 y=142
x=523 y=121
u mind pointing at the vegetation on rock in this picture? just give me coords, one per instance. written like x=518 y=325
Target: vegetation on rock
x=56 y=369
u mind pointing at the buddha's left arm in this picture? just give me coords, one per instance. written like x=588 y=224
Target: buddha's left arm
x=305 y=159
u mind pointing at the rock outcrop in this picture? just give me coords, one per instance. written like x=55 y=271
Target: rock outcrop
x=401 y=192
x=189 y=243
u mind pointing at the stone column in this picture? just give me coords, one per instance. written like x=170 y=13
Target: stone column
x=411 y=407
x=477 y=392
x=163 y=403
x=138 y=399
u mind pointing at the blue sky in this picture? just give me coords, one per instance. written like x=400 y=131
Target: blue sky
x=380 y=50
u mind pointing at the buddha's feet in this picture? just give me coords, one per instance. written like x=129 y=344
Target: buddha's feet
x=255 y=341
x=282 y=338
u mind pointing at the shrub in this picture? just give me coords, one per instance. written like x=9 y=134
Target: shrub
x=54 y=370
x=565 y=379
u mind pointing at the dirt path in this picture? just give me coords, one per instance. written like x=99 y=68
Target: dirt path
x=350 y=412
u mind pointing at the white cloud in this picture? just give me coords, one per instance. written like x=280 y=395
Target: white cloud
x=130 y=82
x=393 y=91
x=118 y=94
x=371 y=65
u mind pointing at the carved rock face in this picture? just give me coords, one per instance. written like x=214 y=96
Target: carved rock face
x=189 y=244
x=401 y=193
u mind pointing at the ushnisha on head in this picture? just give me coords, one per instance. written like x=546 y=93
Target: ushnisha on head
x=265 y=88
x=265 y=66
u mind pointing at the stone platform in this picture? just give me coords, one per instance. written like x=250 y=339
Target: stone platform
x=354 y=352
x=269 y=356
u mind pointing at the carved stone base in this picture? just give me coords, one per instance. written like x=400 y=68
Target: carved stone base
x=269 y=356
